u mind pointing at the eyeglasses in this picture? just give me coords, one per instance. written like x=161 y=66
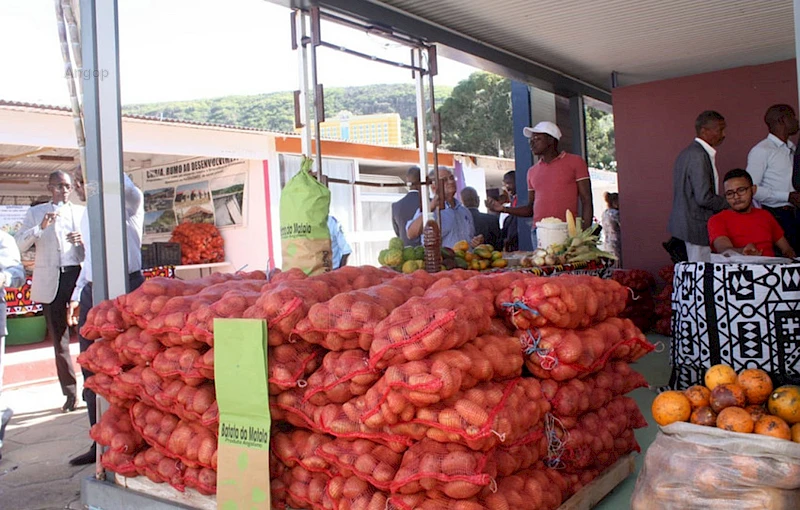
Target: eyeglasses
x=739 y=192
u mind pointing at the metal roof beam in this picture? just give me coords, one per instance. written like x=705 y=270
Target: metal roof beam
x=459 y=47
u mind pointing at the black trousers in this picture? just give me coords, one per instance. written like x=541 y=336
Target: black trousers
x=135 y=279
x=789 y=220
x=55 y=315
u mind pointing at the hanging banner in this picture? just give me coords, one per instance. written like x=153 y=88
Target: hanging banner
x=210 y=190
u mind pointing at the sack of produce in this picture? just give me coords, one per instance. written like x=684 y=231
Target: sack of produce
x=305 y=238
x=137 y=347
x=160 y=468
x=348 y=320
x=569 y=301
x=416 y=384
x=290 y=363
x=454 y=469
x=369 y=461
x=694 y=467
x=305 y=489
x=563 y=354
x=179 y=361
x=343 y=376
x=116 y=431
x=352 y=492
x=101 y=357
x=523 y=454
x=301 y=448
x=201 y=243
x=575 y=397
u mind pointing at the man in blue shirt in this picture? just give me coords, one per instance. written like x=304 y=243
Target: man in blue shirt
x=457 y=224
x=340 y=250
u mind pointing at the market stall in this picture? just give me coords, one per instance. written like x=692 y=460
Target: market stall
x=743 y=315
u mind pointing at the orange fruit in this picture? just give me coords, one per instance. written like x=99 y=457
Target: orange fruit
x=796 y=432
x=671 y=406
x=735 y=419
x=727 y=395
x=704 y=416
x=757 y=385
x=774 y=427
x=785 y=403
x=698 y=396
x=719 y=374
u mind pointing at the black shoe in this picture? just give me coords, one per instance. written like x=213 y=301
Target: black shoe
x=85 y=458
x=70 y=404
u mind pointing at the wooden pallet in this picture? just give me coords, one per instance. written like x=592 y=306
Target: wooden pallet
x=587 y=497
x=191 y=498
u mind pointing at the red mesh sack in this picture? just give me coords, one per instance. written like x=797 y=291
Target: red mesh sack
x=146 y=302
x=592 y=441
x=288 y=303
x=569 y=301
x=342 y=376
x=204 y=365
x=369 y=461
x=137 y=347
x=119 y=462
x=116 y=431
x=201 y=243
x=332 y=419
x=179 y=361
x=159 y=468
x=305 y=489
x=230 y=300
x=175 y=396
x=101 y=357
x=486 y=415
x=536 y=488
x=575 y=397
x=351 y=493
x=193 y=444
x=103 y=385
x=95 y=320
x=404 y=388
x=439 y=321
x=301 y=448
x=348 y=320
x=564 y=354
x=453 y=469
x=203 y=480
x=290 y=363
x=525 y=453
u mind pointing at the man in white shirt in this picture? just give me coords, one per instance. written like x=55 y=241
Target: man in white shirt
x=12 y=274
x=82 y=296
x=695 y=184
x=770 y=163
x=54 y=227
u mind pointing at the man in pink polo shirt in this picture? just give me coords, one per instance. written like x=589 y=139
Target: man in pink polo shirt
x=557 y=182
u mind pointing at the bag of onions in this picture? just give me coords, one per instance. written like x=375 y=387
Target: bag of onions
x=201 y=243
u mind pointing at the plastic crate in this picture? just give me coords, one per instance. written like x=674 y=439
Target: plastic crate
x=161 y=254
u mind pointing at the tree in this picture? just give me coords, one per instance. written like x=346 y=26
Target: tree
x=476 y=118
x=600 y=139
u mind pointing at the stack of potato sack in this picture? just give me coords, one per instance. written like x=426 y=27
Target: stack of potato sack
x=640 y=306
x=663 y=300
x=448 y=390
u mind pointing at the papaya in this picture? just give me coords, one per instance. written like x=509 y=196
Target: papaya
x=448 y=253
x=461 y=246
x=499 y=263
x=483 y=253
x=461 y=263
x=496 y=255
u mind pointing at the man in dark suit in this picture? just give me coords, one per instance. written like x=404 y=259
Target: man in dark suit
x=487 y=225
x=404 y=209
x=509 y=232
x=695 y=187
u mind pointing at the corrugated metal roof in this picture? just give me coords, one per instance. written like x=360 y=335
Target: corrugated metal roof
x=643 y=40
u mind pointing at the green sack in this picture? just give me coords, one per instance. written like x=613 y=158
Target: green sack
x=305 y=239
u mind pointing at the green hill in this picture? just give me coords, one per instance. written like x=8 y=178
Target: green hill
x=275 y=111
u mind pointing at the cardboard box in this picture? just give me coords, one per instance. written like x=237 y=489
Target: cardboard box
x=240 y=372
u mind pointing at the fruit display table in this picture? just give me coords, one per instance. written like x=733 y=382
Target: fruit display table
x=742 y=315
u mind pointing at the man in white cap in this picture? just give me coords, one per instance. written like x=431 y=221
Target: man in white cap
x=559 y=180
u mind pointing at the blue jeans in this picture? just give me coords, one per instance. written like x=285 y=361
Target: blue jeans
x=534 y=240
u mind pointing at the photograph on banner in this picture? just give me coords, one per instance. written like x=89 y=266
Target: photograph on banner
x=159 y=199
x=228 y=195
x=159 y=222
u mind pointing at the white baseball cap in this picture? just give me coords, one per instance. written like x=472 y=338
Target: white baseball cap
x=543 y=127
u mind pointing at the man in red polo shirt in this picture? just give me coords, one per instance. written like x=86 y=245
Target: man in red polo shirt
x=744 y=228
x=557 y=182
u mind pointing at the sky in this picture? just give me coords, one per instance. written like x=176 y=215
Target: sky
x=173 y=50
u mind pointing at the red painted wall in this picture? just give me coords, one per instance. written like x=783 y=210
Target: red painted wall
x=654 y=121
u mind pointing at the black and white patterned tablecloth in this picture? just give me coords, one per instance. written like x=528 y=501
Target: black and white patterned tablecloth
x=742 y=315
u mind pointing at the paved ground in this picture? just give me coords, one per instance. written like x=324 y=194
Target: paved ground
x=35 y=474
x=40 y=440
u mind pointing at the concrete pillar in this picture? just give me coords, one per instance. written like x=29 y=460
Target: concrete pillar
x=521 y=116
